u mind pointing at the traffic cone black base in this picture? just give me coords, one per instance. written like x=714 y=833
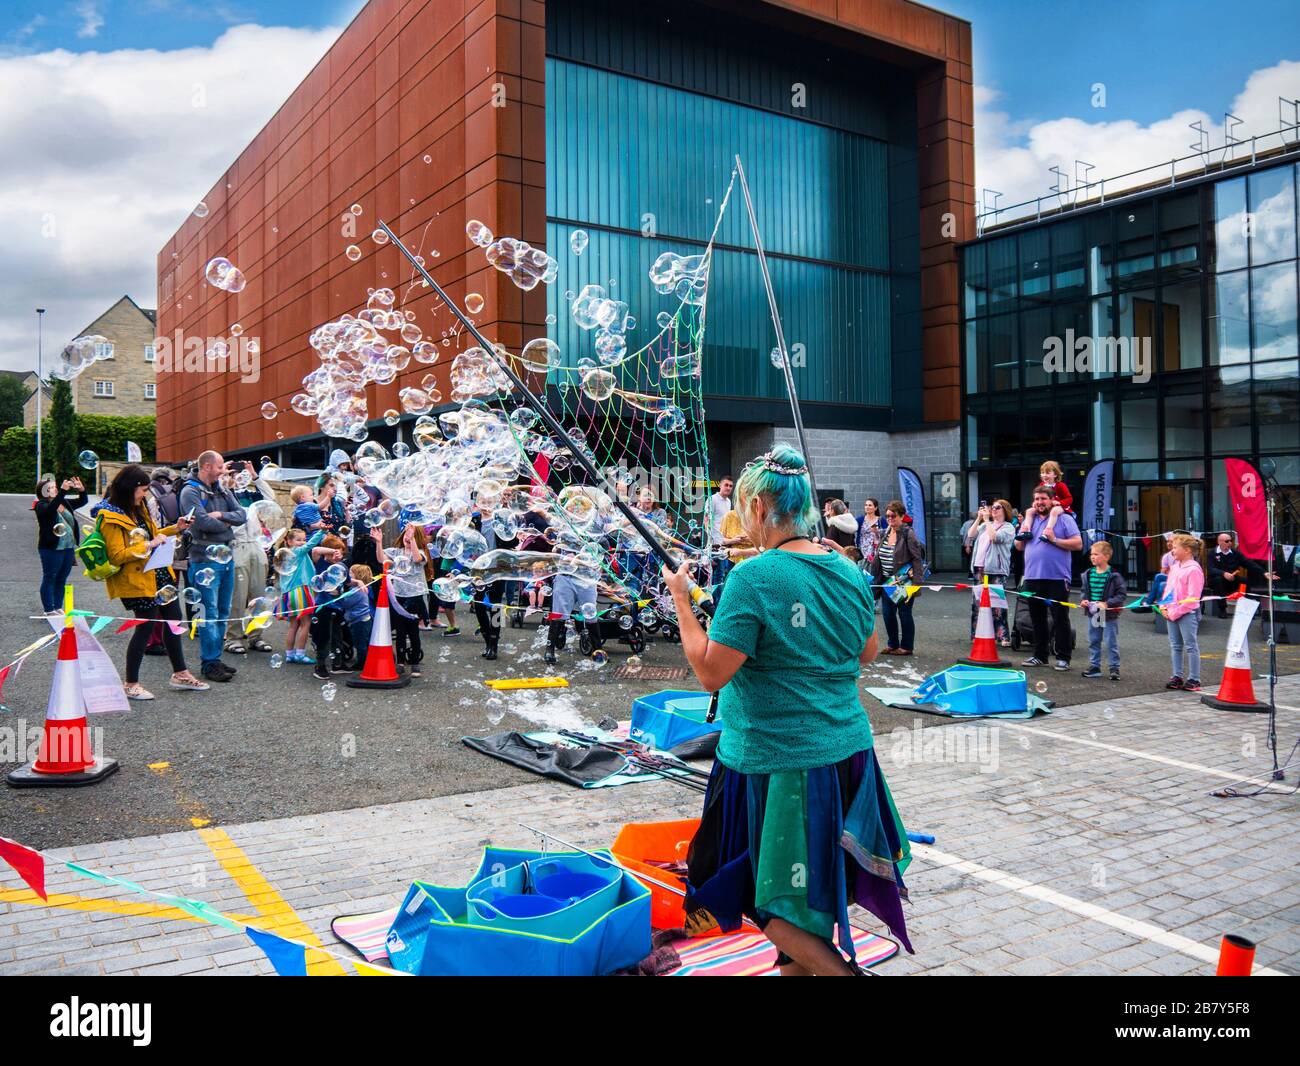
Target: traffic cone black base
x=26 y=777
x=403 y=679
x=1226 y=705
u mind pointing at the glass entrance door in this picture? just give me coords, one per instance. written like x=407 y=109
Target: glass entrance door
x=1166 y=506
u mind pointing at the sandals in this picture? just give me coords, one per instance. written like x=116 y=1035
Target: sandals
x=260 y=645
x=235 y=648
x=188 y=684
x=137 y=692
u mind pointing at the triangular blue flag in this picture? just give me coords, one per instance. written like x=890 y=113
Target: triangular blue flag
x=289 y=959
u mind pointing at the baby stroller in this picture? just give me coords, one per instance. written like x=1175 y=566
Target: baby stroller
x=617 y=621
x=1022 y=627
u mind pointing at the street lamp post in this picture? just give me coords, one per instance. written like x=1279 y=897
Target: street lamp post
x=40 y=385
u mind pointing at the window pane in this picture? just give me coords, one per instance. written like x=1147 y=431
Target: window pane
x=1006 y=430
x=1101 y=253
x=1003 y=352
x=1002 y=274
x=1277 y=405
x=1229 y=320
x=1071 y=430
x=1103 y=428
x=978 y=437
x=1139 y=428
x=977 y=296
x=1089 y=322
x=1273 y=311
x=1069 y=263
x=1035 y=328
x=1180 y=310
x=1135 y=354
x=1230 y=414
x=1228 y=239
x=977 y=342
x=1135 y=241
x=1272 y=209
x=1184 y=420
x=1180 y=247
x=1035 y=266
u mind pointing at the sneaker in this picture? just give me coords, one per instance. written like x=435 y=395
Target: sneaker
x=321 y=672
x=225 y=668
x=415 y=671
x=303 y=657
x=1092 y=671
x=1192 y=685
x=1174 y=682
x=1114 y=675
x=214 y=672
x=1033 y=660
x=549 y=656
x=451 y=631
x=1024 y=537
x=1061 y=664
x=345 y=668
x=188 y=684
x=137 y=692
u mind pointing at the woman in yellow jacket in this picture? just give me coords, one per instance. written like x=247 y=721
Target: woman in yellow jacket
x=130 y=535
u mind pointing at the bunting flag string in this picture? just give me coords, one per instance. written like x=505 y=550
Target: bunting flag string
x=287 y=956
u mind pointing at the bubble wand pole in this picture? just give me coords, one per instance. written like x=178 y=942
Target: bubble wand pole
x=780 y=339
x=699 y=596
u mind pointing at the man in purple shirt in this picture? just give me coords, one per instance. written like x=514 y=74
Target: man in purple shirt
x=1047 y=575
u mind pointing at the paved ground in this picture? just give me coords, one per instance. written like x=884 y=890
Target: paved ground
x=1083 y=842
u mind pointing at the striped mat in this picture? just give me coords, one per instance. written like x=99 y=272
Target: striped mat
x=753 y=955
x=747 y=954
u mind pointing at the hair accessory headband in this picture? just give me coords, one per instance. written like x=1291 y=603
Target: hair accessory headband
x=778 y=467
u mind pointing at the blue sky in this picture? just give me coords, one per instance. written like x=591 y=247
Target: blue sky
x=1154 y=56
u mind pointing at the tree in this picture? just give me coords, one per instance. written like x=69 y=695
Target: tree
x=13 y=393
x=61 y=443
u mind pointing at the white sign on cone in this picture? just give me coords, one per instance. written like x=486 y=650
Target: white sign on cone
x=1238 y=653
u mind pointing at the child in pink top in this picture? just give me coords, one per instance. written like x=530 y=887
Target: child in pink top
x=1186 y=582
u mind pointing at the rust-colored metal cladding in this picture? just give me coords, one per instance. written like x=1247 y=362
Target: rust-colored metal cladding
x=403 y=118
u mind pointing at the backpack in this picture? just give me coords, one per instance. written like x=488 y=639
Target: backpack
x=93 y=554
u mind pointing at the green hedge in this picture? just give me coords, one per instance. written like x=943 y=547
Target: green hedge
x=105 y=435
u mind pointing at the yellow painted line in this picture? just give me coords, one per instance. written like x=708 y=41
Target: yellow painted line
x=67 y=901
x=266 y=900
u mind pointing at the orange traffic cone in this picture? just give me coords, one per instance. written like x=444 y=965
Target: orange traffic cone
x=1236 y=691
x=984 y=648
x=380 y=670
x=1236 y=956
x=64 y=758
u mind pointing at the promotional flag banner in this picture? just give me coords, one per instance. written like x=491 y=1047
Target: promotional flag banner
x=133 y=452
x=1095 y=501
x=1249 y=509
x=913 y=497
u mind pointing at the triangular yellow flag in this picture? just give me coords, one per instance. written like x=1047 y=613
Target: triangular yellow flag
x=67 y=605
x=365 y=969
x=258 y=621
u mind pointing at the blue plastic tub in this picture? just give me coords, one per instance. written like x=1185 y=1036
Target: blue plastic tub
x=667 y=719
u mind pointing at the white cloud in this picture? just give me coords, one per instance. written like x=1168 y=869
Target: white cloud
x=106 y=155
x=1015 y=157
x=91 y=19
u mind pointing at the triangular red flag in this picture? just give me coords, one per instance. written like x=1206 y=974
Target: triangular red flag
x=1146 y=542
x=959 y=585
x=131 y=623
x=3 y=674
x=29 y=864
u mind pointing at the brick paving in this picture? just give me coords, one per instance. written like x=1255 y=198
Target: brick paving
x=1077 y=806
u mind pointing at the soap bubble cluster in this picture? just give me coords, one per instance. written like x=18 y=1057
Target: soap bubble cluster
x=80 y=354
x=525 y=265
x=221 y=273
x=594 y=309
x=683 y=276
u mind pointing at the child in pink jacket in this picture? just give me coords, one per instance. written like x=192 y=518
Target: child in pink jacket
x=1186 y=582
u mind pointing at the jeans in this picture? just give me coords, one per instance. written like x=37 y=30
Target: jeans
x=216 y=606
x=1052 y=589
x=896 y=613
x=56 y=565
x=1182 y=638
x=360 y=640
x=1096 y=634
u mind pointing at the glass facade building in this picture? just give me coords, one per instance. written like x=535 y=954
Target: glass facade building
x=1185 y=302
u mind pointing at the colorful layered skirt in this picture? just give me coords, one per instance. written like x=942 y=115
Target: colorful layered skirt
x=800 y=845
x=295 y=603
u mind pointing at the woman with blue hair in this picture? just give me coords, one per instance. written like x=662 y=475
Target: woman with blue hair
x=798 y=821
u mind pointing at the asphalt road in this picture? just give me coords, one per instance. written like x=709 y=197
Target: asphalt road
x=268 y=745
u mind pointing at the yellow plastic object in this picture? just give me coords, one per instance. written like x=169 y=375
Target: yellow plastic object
x=503 y=683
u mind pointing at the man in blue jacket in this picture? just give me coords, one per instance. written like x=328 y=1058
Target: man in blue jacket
x=216 y=513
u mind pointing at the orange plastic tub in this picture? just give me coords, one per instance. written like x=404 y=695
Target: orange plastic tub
x=662 y=842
